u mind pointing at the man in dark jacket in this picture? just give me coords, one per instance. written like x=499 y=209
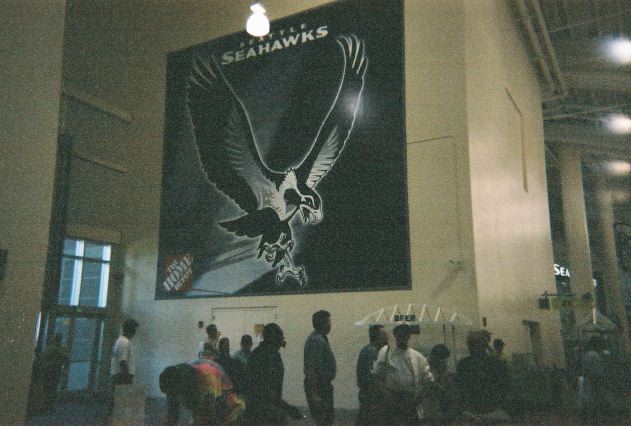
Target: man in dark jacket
x=370 y=400
x=231 y=366
x=265 y=373
x=483 y=380
x=320 y=369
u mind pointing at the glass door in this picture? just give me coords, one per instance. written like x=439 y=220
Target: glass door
x=79 y=313
x=83 y=338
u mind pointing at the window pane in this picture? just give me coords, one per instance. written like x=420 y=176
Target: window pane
x=93 y=278
x=62 y=325
x=83 y=335
x=78 y=375
x=67 y=280
x=73 y=247
x=84 y=282
x=97 y=251
x=83 y=340
x=70 y=246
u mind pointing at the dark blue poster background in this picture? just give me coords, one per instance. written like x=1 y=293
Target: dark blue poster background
x=295 y=94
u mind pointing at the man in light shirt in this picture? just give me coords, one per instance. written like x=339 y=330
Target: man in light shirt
x=403 y=373
x=123 y=366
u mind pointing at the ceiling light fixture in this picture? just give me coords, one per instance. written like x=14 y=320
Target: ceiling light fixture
x=257 y=24
x=619 y=123
x=619 y=50
x=619 y=168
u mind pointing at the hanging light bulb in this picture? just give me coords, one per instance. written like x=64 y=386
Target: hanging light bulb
x=257 y=24
x=619 y=50
x=619 y=123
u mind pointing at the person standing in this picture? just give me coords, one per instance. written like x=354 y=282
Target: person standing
x=442 y=404
x=243 y=354
x=213 y=338
x=370 y=403
x=483 y=380
x=594 y=370
x=232 y=367
x=123 y=366
x=498 y=350
x=404 y=373
x=319 y=369
x=265 y=373
x=54 y=360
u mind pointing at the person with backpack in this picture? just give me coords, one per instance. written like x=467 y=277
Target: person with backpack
x=265 y=403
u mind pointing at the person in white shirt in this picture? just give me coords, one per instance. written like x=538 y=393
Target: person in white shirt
x=402 y=374
x=123 y=367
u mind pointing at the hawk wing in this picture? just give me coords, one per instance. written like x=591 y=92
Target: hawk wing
x=224 y=139
x=336 y=127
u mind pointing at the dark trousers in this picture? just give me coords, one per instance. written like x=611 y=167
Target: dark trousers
x=401 y=409
x=117 y=379
x=371 y=407
x=263 y=414
x=371 y=412
x=49 y=391
x=323 y=414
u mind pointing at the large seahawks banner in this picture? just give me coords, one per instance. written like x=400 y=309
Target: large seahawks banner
x=284 y=159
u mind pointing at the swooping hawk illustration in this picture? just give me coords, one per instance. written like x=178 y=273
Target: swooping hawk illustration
x=231 y=160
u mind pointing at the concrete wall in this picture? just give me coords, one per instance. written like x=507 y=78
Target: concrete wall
x=439 y=212
x=458 y=112
x=30 y=65
x=513 y=248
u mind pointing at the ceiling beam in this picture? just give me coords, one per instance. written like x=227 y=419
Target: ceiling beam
x=589 y=138
x=584 y=110
x=589 y=21
x=601 y=80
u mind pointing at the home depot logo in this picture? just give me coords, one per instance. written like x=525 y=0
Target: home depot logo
x=178 y=273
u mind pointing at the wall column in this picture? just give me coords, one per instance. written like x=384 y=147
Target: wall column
x=31 y=48
x=611 y=278
x=575 y=220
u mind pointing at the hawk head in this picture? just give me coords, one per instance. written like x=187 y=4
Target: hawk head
x=307 y=201
x=311 y=206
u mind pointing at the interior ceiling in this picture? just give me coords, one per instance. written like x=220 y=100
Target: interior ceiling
x=581 y=85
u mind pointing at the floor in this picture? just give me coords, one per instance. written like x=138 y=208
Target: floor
x=93 y=413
